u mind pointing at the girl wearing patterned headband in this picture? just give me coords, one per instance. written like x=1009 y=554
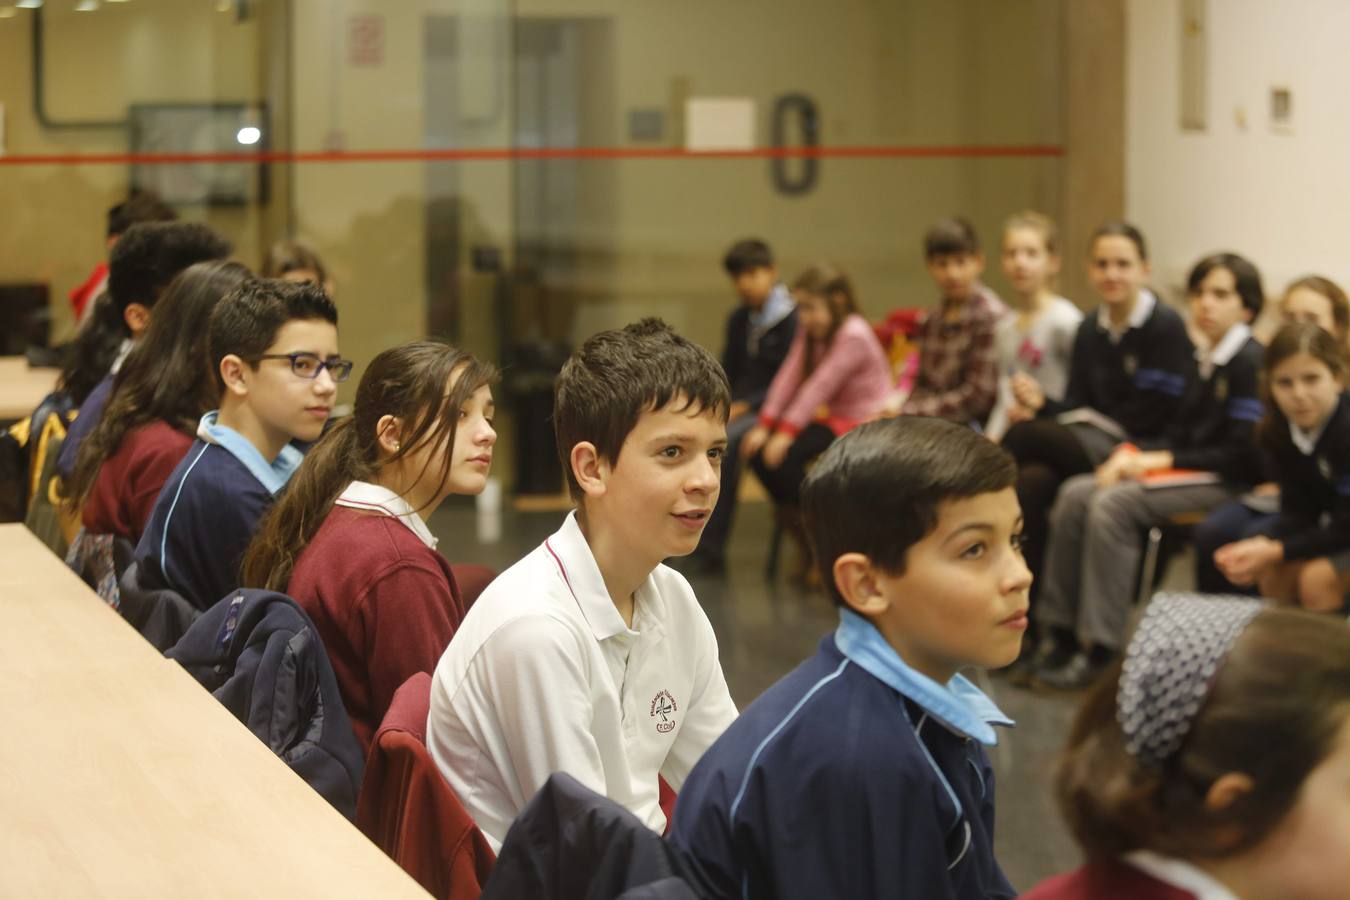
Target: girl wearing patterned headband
x=1214 y=762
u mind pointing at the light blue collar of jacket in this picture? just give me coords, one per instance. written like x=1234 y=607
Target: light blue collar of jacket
x=777 y=307
x=271 y=475
x=958 y=704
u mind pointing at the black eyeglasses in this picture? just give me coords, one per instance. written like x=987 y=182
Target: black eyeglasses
x=308 y=365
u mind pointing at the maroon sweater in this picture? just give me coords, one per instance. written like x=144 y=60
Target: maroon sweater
x=1106 y=880
x=129 y=481
x=385 y=605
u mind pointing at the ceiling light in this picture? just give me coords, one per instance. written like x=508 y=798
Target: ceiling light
x=29 y=4
x=249 y=134
x=86 y=6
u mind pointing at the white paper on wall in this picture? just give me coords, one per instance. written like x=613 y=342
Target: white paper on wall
x=719 y=123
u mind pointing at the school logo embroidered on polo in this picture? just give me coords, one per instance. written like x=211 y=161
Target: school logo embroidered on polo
x=1324 y=467
x=663 y=711
x=1131 y=363
x=1221 y=388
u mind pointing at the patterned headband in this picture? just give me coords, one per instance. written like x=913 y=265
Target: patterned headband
x=1170 y=665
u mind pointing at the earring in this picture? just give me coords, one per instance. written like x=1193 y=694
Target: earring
x=397 y=447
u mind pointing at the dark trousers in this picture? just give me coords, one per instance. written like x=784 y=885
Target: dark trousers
x=784 y=483
x=713 y=543
x=1047 y=454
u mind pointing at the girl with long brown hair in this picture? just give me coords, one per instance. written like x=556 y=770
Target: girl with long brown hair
x=159 y=395
x=349 y=541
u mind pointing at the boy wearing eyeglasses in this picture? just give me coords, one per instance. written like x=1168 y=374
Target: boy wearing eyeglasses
x=273 y=348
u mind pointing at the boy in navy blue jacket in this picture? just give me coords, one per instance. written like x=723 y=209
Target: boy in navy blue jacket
x=863 y=772
x=274 y=349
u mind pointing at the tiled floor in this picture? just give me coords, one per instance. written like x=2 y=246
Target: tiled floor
x=765 y=628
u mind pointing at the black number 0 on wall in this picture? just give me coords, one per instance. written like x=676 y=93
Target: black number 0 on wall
x=807 y=169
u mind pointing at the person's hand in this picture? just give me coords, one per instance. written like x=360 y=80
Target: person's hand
x=738 y=409
x=1027 y=391
x=1267 y=489
x=1019 y=413
x=1113 y=470
x=1245 y=561
x=776 y=449
x=753 y=440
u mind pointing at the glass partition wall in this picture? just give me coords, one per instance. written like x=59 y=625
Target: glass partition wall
x=517 y=174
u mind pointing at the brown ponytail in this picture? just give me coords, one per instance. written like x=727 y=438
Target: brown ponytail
x=407 y=382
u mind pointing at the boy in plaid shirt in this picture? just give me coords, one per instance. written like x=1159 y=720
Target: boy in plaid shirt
x=958 y=371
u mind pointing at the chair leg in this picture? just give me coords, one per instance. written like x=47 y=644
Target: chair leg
x=775 y=546
x=1150 y=565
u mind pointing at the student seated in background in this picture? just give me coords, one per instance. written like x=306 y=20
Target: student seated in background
x=1306 y=560
x=1321 y=302
x=863 y=773
x=1034 y=342
x=140 y=206
x=348 y=540
x=589 y=656
x=1099 y=520
x=297 y=261
x=1213 y=764
x=1131 y=362
x=836 y=375
x=142 y=263
x=758 y=336
x=958 y=369
x=159 y=395
x=274 y=352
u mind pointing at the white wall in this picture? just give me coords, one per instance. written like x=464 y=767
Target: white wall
x=1281 y=199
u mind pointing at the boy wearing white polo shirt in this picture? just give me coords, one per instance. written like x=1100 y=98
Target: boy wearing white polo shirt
x=588 y=656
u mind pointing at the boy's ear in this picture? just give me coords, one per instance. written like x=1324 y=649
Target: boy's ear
x=589 y=469
x=137 y=317
x=979 y=261
x=232 y=373
x=856 y=579
x=389 y=434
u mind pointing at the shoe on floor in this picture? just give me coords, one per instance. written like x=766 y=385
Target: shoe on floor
x=1075 y=675
x=1046 y=655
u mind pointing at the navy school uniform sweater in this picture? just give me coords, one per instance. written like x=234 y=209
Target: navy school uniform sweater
x=1138 y=381
x=207 y=513
x=91 y=412
x=1214 y=427
x=848 y=778
x=1314 y=488
x=753 y=354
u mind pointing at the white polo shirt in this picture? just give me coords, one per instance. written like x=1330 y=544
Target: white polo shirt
x=543 y=676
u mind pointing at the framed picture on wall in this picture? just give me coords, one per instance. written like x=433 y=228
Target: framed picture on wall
x=200 y=130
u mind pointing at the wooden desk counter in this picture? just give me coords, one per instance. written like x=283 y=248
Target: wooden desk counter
x=120 y=776
x=22 y=388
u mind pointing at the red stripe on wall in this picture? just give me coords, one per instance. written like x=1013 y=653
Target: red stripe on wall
x=514 y=153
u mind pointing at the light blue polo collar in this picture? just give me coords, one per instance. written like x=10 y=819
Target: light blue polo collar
x=271 y=475
x=958 y=704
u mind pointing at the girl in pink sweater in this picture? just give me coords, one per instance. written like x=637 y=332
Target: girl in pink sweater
x=835 y=376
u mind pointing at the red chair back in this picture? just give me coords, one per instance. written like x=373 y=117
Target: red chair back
x=411 y=813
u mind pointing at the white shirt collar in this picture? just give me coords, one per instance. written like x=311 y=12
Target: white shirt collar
x=1306 y=441
x=378 y=498
x=1222 y=353
x=1180 y=874
x=568 y=549
x=1143 y=308
x=122 y=350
